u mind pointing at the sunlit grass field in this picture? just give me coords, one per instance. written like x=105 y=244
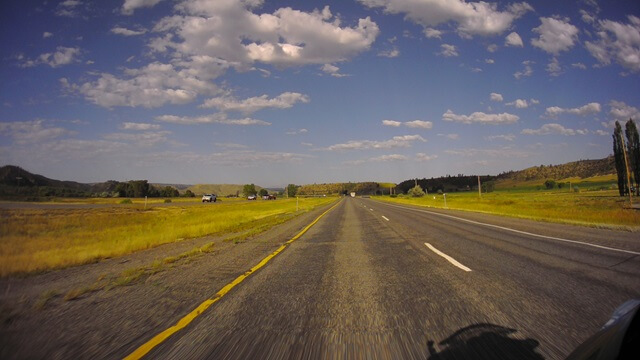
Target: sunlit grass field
x=601 y=208
x=41 y=239
x=139 y=201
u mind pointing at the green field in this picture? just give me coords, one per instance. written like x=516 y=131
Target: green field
x=42 y=239
x=599 y=208
x=608 y=182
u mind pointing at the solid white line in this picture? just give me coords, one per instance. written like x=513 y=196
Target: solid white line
x=384 y=217
x=519 y=231
x=449 y=258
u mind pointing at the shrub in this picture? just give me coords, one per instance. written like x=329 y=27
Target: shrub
x=549 y=184
x=576 y=189
x=166 y=201
x=126 y=201
x=416 y=191
x=393 y=195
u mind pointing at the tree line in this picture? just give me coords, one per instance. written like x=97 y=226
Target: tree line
x=627 y=156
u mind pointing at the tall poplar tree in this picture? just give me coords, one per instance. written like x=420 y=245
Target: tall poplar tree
x=633 y=151
x=619 y=159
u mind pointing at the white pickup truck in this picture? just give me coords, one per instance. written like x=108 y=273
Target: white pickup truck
x=209 y=198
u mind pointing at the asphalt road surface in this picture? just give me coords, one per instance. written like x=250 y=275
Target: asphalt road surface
x=371 y=280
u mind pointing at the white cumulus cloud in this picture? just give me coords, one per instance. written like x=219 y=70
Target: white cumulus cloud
x=232 y=31
x=553 y=129
x=247 y=106
x=395 y=142
x=513 y=39
x=217 y=118
x=139 y=126
x=588 y=109
x=448 y=50
x=154 y=84
x=416 y=124
x=622 y=112
x=618 y=42
x=130 y=5
x=62 y=56
x=554 y=68
x=555 y=35
x=519 y=103
x=526 y=72
x=472 y=18
x=31 y=132
x=127 y=32
x=392 y=53
x=432 y=33
x=391 y=123
x=481 y=118
x=419 y=124
x=506 y=137
x=424 y=157
x=332 y=70
x=496 y=97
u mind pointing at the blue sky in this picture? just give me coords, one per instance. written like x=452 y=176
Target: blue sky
x=277 y=92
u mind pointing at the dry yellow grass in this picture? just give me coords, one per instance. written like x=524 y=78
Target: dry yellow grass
x=593 y=208
x=36 y=240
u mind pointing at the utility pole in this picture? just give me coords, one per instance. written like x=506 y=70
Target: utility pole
x=479 y=187
x=626 y=165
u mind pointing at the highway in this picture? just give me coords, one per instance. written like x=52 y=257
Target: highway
x=367 y=279
x=366 y=282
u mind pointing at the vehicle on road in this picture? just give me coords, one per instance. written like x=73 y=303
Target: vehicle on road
x=268 y=197
x=209 y=198
x=251 y=197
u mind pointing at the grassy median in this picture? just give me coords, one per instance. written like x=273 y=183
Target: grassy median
x=42 y=239
x=603 y=208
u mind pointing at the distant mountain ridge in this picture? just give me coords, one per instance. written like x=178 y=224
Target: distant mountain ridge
x=17 y=182
x=581 y=168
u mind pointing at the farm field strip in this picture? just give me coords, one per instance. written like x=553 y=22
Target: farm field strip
x=43 y=239
x=594 y=208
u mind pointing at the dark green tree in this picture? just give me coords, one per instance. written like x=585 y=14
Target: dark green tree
x=633 y=151
x=550 y=184
x=189 y=193
x=263 y=192
x=169 y=191
x=249 y=189
x=618 y=156
x=488 y=186
x=292 y=190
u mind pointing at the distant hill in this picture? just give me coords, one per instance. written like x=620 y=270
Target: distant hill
x=218 y=189
x=582 y=169
x=181 y=187
x=17 y=176
x=360 y=188
x=17 y=182
x=537 y=174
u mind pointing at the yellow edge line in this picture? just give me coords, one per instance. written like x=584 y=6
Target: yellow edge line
x=158 y=339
